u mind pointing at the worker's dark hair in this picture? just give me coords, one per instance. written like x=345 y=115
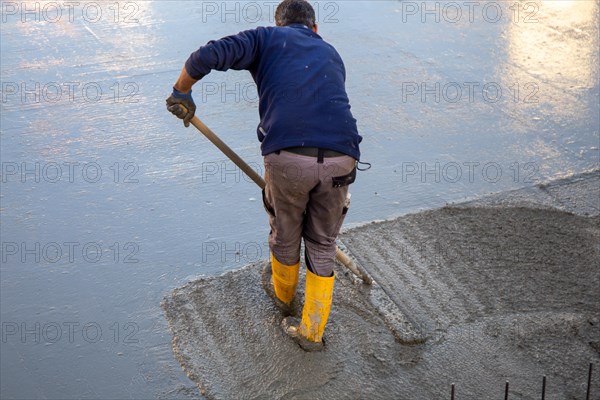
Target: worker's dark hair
x=295 y=12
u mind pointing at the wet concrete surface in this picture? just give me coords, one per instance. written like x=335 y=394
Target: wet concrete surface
x=502 y=291
x=169 y=208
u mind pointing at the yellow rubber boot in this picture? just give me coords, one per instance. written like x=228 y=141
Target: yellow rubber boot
x=284 y=279
x=317 y=304
x=315 y=313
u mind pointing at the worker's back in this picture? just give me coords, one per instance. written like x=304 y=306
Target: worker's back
x=301 y=85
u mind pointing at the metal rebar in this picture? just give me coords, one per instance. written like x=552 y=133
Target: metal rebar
x=544 y=388
x=589 y=385
x=506 y=391
x=452 y=392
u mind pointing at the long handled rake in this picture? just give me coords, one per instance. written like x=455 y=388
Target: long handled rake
x=237 y=160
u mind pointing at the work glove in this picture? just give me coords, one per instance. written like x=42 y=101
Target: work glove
x=185 y=99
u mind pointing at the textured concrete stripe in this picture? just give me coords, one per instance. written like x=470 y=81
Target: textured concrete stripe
x=375 y=259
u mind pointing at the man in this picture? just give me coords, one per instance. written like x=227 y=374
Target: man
x=310 y=145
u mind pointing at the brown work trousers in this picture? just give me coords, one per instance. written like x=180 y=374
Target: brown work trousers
x=308 y=199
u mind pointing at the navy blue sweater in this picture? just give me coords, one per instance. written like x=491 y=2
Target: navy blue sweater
x=301 y=86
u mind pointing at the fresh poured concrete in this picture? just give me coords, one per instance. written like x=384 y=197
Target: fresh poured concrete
x=505 y=288
x=84 y=84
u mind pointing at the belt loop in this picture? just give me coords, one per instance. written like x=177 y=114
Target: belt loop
x=320 y=155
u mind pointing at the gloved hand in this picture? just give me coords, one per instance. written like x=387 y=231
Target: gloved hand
x=186 y=100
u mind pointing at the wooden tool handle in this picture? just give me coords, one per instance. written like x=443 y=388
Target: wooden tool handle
x=237 y=160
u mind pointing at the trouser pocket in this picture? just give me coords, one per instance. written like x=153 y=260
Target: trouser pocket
x=343 y=216
x=268 y=207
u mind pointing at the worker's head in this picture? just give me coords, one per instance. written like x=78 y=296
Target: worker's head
x=295 y=12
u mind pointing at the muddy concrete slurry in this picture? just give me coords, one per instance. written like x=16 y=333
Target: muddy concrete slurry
x=108 y=203
x=503 y=293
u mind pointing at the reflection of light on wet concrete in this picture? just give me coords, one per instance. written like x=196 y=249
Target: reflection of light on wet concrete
x=551 y=70
x=560 y=5
x=87 y=58
x=98 y=31
x=553 y=41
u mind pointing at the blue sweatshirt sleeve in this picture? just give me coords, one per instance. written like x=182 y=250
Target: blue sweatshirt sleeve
x=236 y=52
